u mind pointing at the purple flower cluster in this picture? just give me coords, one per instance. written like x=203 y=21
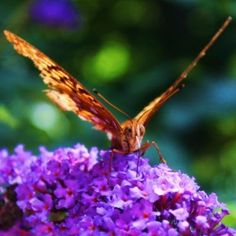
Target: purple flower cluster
x=57 y=13
x=73 y=191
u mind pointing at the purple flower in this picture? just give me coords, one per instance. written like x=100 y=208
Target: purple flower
x=57 y=13
x=71 y=191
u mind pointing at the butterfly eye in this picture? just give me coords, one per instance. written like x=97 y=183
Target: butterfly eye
x=142 y=130
x=129 y=130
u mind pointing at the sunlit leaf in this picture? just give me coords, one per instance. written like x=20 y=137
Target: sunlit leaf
x=230 y=220
x=46 y=117
x=110 y=62
x=7 y=118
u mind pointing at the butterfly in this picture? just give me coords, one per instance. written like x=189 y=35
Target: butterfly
x=71 y=95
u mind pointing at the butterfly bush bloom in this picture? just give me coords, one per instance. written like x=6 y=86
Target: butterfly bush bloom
x=58 y=13
x=72 y=191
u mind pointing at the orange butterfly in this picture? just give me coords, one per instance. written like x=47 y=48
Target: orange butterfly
x=70 y=95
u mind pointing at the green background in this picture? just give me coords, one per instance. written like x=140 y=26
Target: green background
x=131 y=51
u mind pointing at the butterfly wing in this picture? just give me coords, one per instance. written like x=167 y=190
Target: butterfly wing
x=146 y=114
x=65 y=90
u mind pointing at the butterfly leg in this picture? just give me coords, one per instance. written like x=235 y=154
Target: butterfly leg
x=108 y=172
x=148 y=144
x=140 y=153
x=110 y=162
x=113 y=151
x=162 y=159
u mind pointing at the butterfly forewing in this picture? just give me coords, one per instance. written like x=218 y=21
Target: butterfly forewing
x=65 y=90
x=146 y=114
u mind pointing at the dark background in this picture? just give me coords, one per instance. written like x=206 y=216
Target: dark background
x=131 y=51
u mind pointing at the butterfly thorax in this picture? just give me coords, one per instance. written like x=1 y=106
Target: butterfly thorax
x=131 y=137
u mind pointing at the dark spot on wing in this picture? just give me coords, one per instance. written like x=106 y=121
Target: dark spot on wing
x=53 y=67
x=63 y=79
x=83 y=91
x=73 y=89
x=50 y=84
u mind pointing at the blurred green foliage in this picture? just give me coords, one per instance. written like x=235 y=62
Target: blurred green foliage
x=131 y=50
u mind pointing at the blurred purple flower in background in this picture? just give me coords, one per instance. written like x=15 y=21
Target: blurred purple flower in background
x=56 y=13
x=71 y=192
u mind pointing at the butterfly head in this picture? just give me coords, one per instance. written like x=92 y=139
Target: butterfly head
x=132 y=135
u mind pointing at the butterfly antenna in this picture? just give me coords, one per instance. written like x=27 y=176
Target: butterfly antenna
x=202 y=52
x=109 y=103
